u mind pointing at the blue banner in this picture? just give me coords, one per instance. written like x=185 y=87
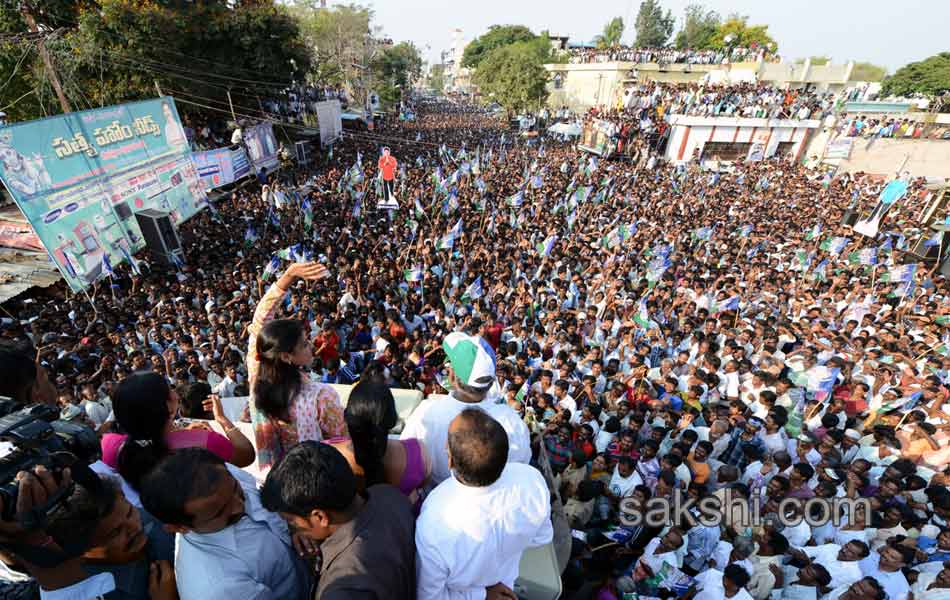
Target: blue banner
x=261 y=146
x=80 y=178
x=221 y=166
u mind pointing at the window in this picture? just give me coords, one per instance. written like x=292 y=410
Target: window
x=728 y=151
x=558 y=81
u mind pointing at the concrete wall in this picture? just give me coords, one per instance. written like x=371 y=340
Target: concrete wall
x=929 y=158
x=593 y=84
x=587 y=85
x=690 y=134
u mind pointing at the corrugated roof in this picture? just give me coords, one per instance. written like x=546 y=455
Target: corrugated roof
x=20 y=270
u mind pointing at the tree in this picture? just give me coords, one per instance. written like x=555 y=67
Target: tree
x=699 y=27
x=393 y=70
x=339 y=38
x=653 y=26
x=865 y=71
x=930 y=76
x=818 y=61
x=113 y=51
x=514 y=75
x=497 y=36
x=612 y=33
x=735 y=31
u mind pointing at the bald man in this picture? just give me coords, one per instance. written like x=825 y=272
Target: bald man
x=475 y=525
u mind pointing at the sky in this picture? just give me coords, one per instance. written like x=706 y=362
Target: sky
x=889 y=33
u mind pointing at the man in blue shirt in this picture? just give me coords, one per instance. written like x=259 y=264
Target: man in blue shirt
x=228 y=546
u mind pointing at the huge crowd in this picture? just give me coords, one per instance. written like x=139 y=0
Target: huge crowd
x=668 y=55
x=597 y=337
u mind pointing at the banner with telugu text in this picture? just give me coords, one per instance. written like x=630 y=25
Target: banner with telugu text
x=80 y=178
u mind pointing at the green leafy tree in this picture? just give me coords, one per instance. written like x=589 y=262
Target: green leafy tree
x=612 y=33
x=394 y=69
x=653 y=26
x=865 y=71
x=114 y=51
x=930 y=76
x=699 y=27
x=339 y=38
x=514 y=76
x=497 y=36
x=736 y=31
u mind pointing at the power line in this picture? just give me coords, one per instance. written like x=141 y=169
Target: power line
x=220 y=65
x=16 y=68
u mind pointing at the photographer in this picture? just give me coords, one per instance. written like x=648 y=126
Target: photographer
x=23 y=380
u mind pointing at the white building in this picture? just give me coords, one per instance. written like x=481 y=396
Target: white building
x=730 y=139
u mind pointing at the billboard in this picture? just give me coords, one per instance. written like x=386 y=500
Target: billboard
x=839 y=148
x=597 y=138
x=221 y=166
x=329 y=118
x=261 y=146
x=80 y=178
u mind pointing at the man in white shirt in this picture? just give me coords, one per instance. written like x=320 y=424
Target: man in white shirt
x=227 y=545
x=887 y=570
x=471 y=376
x=730 y=583
x=842 y=562
x=475 y=526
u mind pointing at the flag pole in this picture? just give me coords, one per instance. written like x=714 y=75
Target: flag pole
x=91 y=303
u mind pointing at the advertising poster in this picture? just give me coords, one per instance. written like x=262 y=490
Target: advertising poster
x=757 y=147
x=221 y=166
x=261 y=146
x=330 y=121
x=839 y=148
x=80 y=178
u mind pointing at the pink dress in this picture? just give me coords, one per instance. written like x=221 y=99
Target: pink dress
x=186 y=438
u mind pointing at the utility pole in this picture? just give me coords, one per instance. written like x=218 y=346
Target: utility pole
x=54 y=79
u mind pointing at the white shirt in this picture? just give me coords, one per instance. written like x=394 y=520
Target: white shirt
x=623 y=486
x=252 y=559
x=711 y=588
x=894 y=583
x=842 y=573
x=655 y=561
x=468 y=538
x=96 y=586
x=430 y=423
x=721 y=557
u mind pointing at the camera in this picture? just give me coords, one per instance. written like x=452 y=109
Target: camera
x=39 y=437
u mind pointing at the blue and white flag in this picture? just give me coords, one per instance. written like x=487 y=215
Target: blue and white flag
x=413 y=275
x=107 y=265
x=703 y=233
x=536 y=182
x=271 y=268
x=936 y=240
x=745 y=231
x=516 y=200
x=544 y=248
x=295 y=253
x=133 y=264
x=900 y=273
x=731 y=303
x=474 y=291
x=820 y=380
